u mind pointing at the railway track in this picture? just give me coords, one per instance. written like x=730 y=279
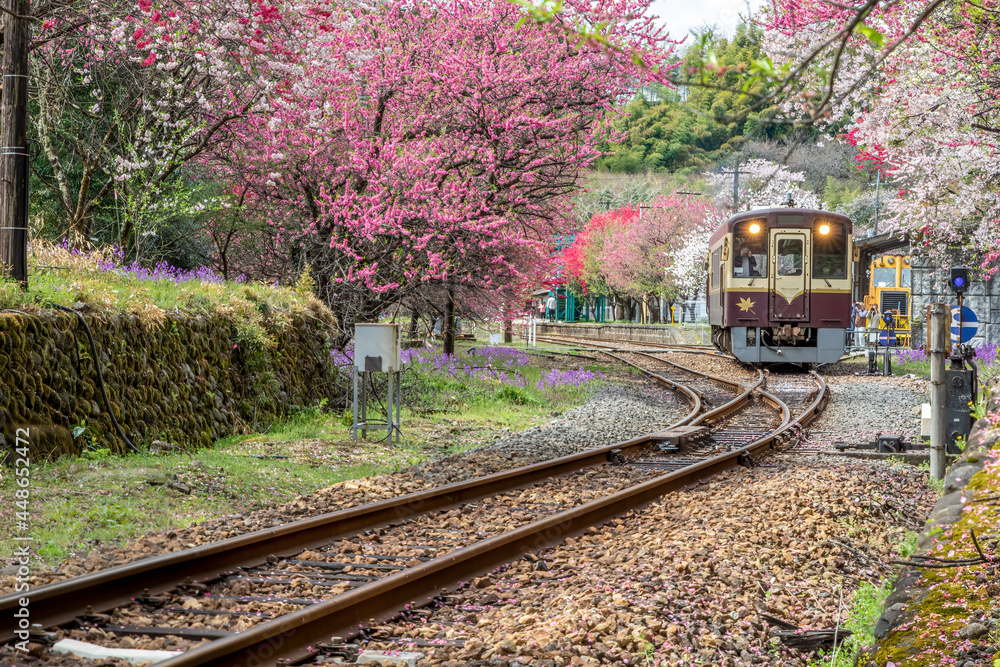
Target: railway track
x=626 y=346
x=295 y=593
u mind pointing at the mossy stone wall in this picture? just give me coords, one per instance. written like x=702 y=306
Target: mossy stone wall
x=931 y=610
x=188 y=379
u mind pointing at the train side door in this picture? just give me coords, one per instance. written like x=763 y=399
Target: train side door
x=789 y=282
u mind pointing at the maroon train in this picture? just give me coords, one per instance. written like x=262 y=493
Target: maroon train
x=779 y=285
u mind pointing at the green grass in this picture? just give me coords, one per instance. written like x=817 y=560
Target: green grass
x=59 y=277
x=861 y=615
x=79 y=504
x=480 y=408
x=908 y=546
x=918 y=368
x=863 y=612
x=936 y=484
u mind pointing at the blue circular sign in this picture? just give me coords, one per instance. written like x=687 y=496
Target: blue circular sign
x=887 y=337
x=964 y=328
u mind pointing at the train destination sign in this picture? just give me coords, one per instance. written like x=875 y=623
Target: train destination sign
x=962 y=330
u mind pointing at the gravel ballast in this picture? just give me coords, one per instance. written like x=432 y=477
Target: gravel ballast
x=615 y=413
x=861 y=407
x=685 y=580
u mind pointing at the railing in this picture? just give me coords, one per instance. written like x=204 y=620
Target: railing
x=868 y=338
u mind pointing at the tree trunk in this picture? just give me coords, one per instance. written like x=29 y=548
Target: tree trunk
x=413 y=323
x=448 y=328
x=508 y=331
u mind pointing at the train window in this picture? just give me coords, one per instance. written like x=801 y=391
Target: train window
x=750 y=249
x=829 y=249
x=884 y=277
x=789 y=257
x=906 y=278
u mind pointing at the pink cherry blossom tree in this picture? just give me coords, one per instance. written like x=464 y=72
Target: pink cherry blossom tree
x=636 y=253
x=919 y=87
x=761 y=183
x=411 y=146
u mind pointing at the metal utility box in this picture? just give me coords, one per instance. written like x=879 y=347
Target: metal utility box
x=958 y=421
x=376 y=347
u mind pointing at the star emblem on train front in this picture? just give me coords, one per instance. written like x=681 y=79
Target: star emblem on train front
x=746 y=305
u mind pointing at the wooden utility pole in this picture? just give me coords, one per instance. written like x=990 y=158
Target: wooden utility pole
x=14 y=144
x=736 y=185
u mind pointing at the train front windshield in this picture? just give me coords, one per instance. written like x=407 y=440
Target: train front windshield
x=884 y=277
x=750 y=249
x=829 y=241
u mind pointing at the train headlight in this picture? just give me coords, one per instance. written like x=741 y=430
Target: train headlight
x=824 y=229
x=754 y=228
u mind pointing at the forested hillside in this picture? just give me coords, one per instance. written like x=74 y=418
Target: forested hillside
x=684 y=129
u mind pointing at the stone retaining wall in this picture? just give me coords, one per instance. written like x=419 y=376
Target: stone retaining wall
x=949 y=612
x=187 y=380
x=636 y=333
x=930 y=285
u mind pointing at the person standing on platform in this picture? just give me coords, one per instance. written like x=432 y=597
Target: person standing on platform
x=859 y=324
x=873 y=320
x=550 y=304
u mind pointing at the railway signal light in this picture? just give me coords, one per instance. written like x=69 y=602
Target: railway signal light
x=959 y=279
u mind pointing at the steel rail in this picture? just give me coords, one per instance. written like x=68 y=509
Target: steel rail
x=61 y=602
x=292 y=637
x=692 y=395
x=726 y=409
x=612 y=346
x=714 y=378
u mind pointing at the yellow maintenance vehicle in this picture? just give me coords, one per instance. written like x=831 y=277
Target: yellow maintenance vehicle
x=889 y=291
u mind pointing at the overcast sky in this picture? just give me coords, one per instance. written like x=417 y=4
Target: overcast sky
x=681 y=16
